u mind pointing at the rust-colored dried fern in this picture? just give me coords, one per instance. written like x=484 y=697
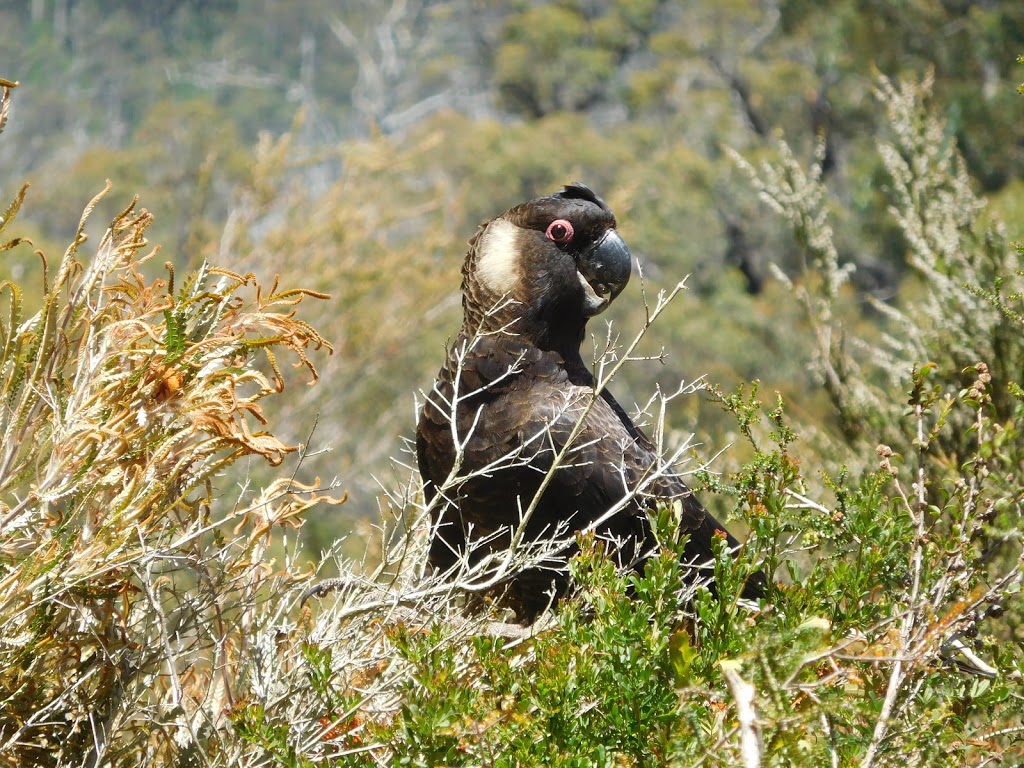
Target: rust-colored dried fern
x=126 y=584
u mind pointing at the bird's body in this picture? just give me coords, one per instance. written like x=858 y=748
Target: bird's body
x=515 y=398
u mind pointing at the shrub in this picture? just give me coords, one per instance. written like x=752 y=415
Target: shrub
x=130 y=584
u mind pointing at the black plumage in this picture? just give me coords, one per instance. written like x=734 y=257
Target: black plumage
x=516 y=390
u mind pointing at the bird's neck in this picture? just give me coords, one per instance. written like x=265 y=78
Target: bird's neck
x=523 y=330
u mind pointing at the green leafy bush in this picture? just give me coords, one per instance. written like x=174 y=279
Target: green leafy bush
x=885 y=645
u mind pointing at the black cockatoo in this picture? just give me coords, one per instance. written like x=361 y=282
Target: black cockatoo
x=514 y=391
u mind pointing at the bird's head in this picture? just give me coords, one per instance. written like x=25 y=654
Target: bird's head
x=544 y=267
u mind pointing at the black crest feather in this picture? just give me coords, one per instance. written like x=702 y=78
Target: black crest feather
x=579 y=191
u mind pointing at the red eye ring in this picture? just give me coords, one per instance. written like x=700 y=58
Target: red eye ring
x=560 y=231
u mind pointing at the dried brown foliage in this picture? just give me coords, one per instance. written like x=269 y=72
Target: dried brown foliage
x=127 y=585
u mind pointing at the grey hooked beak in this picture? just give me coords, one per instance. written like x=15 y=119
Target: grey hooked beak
x=604 y=271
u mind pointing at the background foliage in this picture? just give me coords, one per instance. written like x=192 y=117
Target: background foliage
x=417 y=120
x=841 y=182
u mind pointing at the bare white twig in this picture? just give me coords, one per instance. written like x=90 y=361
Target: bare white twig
x=743 y=696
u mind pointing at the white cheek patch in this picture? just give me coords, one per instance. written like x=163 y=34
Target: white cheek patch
x=497 y=258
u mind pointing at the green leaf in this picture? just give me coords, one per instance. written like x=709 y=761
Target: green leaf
x=681 y=654
x=175 y=343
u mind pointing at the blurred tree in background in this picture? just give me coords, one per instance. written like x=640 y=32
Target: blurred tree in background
x=362 y=143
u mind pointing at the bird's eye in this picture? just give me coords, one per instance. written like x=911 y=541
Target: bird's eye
x=559 y=231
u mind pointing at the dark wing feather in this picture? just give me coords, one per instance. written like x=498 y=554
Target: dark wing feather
x=694 y=519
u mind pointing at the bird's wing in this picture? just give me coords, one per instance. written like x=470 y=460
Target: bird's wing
x=516 y=427
x=604 y=457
